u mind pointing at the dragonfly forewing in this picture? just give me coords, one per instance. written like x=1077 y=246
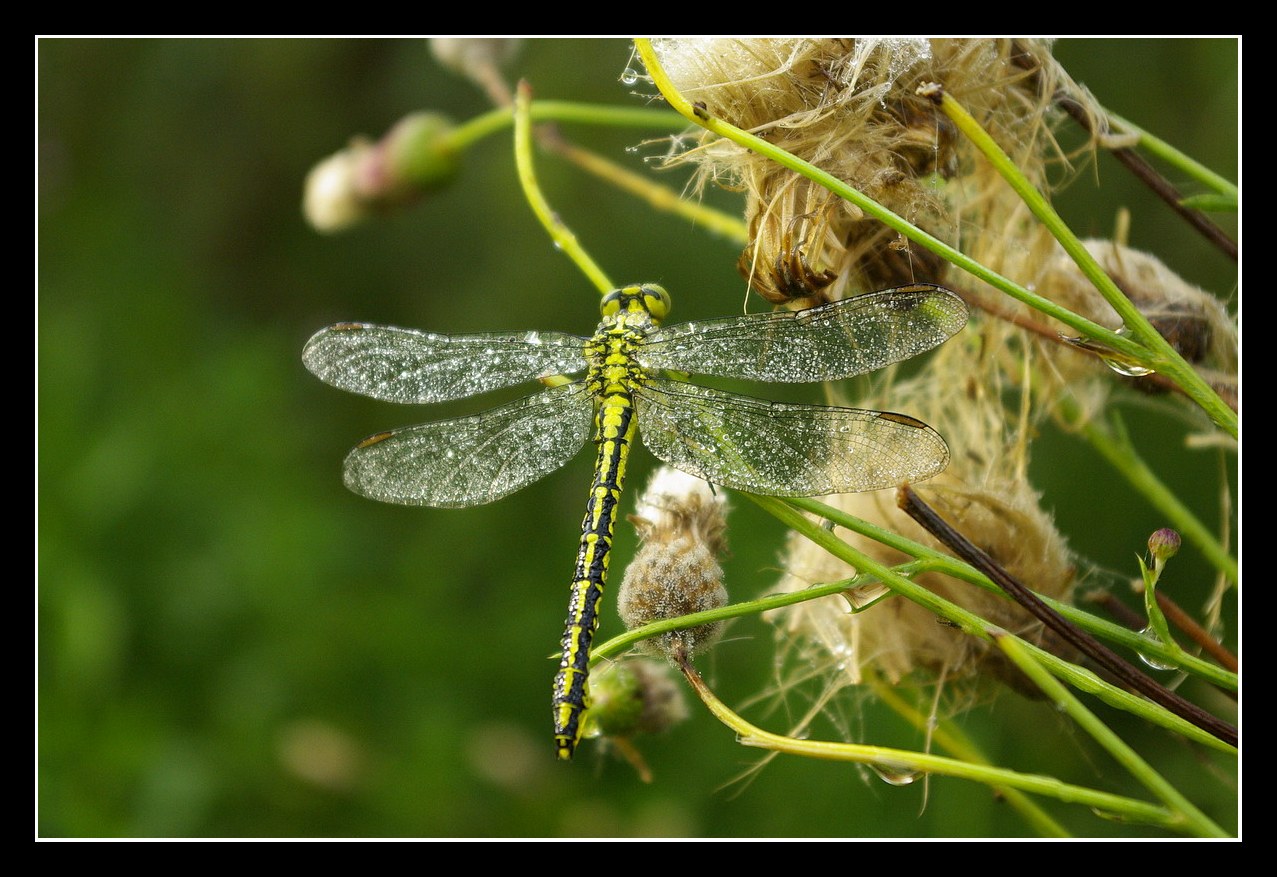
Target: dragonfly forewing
x=849 y=337
x=782 y=449
x=474 y=460
x=410 y=366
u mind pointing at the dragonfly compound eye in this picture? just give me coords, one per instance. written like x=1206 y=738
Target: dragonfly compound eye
x=646 y=298
x=656 y=301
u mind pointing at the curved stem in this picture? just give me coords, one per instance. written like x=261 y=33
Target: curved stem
x=562 y=236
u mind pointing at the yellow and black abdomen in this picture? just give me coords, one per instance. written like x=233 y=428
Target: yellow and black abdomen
x=613 y=373
x=616 y=431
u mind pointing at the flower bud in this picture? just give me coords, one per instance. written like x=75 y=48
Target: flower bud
x=635 y=697
x=676 y=571
x=413 y=159
x=1163 y=545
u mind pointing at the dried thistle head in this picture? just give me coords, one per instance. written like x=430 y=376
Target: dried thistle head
x=1196 y=323
x=984 y=493
x=850 y=107
x=675 y=572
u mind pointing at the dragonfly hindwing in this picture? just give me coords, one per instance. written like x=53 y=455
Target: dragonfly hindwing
x=474 y=460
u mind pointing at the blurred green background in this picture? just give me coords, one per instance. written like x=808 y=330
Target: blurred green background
x=231 y=644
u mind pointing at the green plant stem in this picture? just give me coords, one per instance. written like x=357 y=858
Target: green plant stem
x=1096 y=653
x=1168 y=153
x=978 y=627
x=904 y=760
x=619 y=644
x=562 y=236
x=1081 y=325
x=1114 y=445
x=1156 y=619
x=657 y=196
x=950 y=737
x=1158 y=354
x=931 y=560
x=1194 y=820
x=471 y=131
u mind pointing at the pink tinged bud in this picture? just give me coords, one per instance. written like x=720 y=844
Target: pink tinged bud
x=1163 y=544
x=415 y=158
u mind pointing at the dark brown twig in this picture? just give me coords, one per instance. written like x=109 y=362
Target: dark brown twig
x=1133 y=161
x=1159 y=185
x=1123 y=614
x=1104 y=657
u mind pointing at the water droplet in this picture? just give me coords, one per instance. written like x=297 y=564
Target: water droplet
x=1113 y=360
x=629 y=76
x=1126 y=368
x=1155 y=663
x=893 y=775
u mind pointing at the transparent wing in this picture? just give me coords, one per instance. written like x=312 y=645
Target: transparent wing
x=406 y=365
x=780 y=449
x=474 y=460
x=833 y=341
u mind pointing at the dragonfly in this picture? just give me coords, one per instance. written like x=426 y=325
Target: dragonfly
x=635 y=383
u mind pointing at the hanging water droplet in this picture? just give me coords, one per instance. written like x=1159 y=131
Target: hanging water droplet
x=1155 y=663
x=895 y=776
x=1112 y=359
x=1126 y=368
x=629 y=76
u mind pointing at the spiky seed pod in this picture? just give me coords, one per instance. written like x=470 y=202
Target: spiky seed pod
x=675 y=572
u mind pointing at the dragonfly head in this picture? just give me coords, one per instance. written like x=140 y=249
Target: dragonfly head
x=646 y=298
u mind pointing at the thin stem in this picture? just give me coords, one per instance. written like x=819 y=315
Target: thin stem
x=619 y=644
x=1173 y=156
x=1196 y=820
x=951 y=738
x=702 y=117
x=1112 y=443
x=978 y=627
x=913 y=506
x=1158 y=354
x=1196 y=632
x=562 y=236
x=1139 y=167
x=481 y=126
x=904 y=760
x=1162 y=188
x=1156 y=619
x=936 y=561
x=659 y=197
